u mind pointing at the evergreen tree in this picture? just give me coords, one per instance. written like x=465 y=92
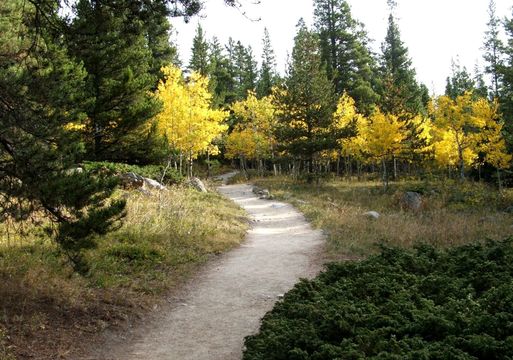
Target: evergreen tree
x=506 y=90
x=268 y=76
x=110 y=38
x=154 y=15
x=461 y=81
x=200 y=53
x=245 y=70
x=400 y=92
x=42 y=96
x=349 y=63
x=307 y=103
x=493 y=48
x=221 y=79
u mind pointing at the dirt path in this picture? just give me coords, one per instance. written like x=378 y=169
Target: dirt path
x=226 y=300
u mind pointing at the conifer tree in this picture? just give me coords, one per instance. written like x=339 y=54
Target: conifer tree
x=245 y=70
x=42 y=94
x=493 y=48
x=506 y=90
x=400 y=92
x=306 y=104
x=268 y=76
x=349 y=63
x=109 y=37
x=459 y=82
x=221 y=79
x=200 y=53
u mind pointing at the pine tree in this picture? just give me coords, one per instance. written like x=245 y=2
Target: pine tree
x=493 y=48
x=349 y=63
x=506 y=90
x=400 y=91
x=109 y=37
x=459 y=82
x=268 y=76
x=200 y=53
x=245 y=70
x=221 y=79
x=43 y=94
x=306 y=104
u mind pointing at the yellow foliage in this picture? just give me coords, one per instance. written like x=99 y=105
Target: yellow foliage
x=384 y=135
x=465 y=127
x=253 y=137
x=187 y=119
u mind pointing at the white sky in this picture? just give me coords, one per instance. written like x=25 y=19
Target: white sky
x=434 y=31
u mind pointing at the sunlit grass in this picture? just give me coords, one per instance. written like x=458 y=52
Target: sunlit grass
x=164 y=238
x=453 y=213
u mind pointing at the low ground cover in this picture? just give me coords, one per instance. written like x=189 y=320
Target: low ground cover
x=400 y=304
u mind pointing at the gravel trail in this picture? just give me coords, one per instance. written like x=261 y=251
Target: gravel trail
x=209 y=318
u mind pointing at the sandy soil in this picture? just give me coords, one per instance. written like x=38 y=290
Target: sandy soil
x=224 y=302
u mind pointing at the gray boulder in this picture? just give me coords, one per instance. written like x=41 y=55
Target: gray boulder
x=374 y=215
x=153 y=184
x=197 y=184
x=131 y=180
x=411 y=201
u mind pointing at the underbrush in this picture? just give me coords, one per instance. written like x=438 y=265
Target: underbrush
x=400 y=304
x=452 y=213
x=45 y=307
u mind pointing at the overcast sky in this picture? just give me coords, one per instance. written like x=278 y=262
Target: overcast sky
x=434 y=31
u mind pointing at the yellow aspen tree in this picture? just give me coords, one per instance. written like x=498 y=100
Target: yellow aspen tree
x=241 y=144
x=384 y=137
x=462 y=128
x=259 y=117
x=492 y=144
x=187 y=119
x=346 y=117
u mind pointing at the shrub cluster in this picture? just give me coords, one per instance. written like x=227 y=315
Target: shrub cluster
x=400 y=304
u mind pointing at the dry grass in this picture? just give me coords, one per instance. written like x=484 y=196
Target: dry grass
x=46 y=309
x=452 y=214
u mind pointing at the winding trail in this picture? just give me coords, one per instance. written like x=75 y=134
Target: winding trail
x=209 y=318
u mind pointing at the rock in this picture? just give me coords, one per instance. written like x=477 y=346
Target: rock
x=372 y=215
x=262 y=193
x=197 y=184
x=411 y=201
x=75 y=170
x=153 y=184
x=131 y=180
x=509 y=210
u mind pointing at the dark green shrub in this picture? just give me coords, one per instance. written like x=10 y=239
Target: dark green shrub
x=422 y=304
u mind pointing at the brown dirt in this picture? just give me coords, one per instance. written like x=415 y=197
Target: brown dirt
x=210 y=316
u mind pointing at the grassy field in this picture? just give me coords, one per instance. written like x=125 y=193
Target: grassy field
x=452 y=213
x=45 y=307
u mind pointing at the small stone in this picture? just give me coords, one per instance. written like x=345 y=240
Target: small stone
x=372 y=215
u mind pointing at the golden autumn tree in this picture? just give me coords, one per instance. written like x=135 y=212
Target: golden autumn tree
x=252 y=138
x=347 y=117
x=383 y=138
x=465 y=127
x=187 y=119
